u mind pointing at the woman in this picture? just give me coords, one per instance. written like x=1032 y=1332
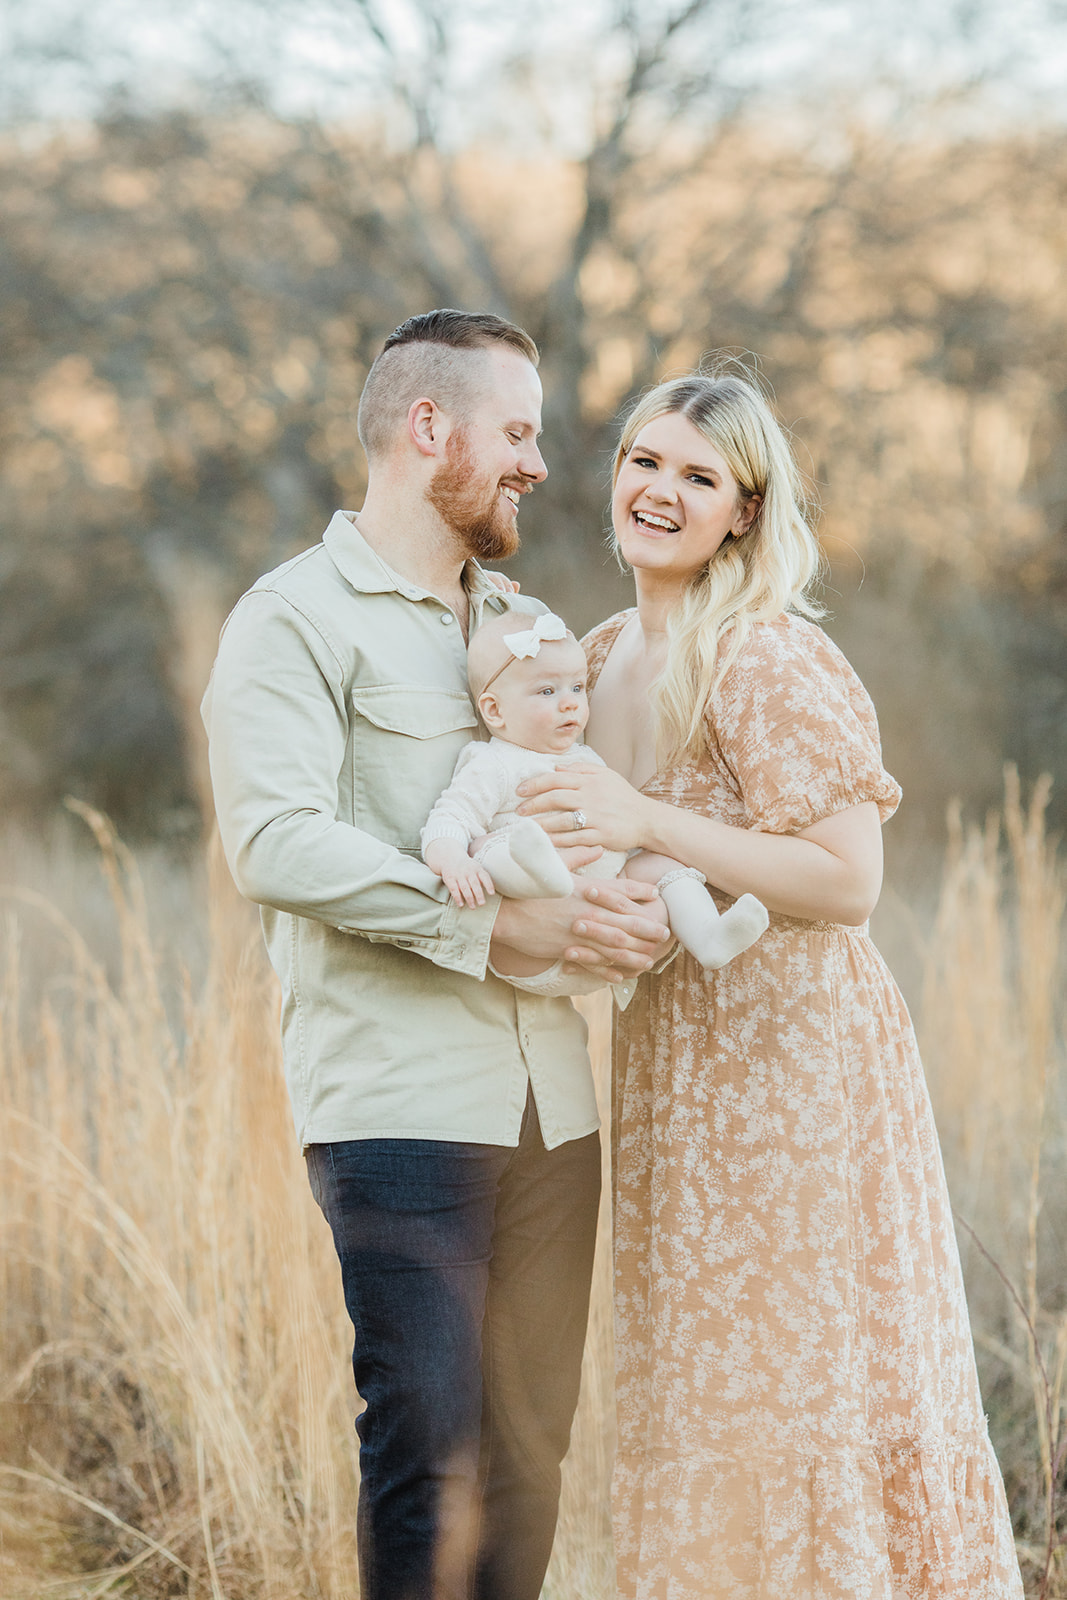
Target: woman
x=799 y=1415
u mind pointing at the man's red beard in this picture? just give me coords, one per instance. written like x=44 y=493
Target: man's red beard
x=487 y=528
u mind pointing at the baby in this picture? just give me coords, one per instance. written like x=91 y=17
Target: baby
x=529 y=684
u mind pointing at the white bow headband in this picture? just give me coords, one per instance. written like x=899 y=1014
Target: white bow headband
x=527 y=644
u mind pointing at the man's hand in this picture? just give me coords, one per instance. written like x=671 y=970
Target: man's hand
x=613 y=929
x=465 y=880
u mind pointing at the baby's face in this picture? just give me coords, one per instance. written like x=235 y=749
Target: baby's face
x=542 y=702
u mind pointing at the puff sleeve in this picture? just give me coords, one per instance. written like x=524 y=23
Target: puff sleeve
x=797 y=730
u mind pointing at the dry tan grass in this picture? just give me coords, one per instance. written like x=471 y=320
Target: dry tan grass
x=175 y=1402
x=994 y=1045
x=174 y=1389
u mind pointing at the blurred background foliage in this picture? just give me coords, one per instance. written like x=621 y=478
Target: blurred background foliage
x=200 y=257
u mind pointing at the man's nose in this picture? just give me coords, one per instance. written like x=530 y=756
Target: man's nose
x=532 y=465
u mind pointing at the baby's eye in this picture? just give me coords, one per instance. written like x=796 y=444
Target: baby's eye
x=546 y=690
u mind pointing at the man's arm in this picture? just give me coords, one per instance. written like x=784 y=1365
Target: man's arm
x=276 y=717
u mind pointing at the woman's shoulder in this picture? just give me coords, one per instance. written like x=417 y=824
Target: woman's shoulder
x=791 y=661
x=788 y=640
x=790 y=668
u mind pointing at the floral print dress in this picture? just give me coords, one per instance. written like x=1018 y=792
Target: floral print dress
x=798 y=1408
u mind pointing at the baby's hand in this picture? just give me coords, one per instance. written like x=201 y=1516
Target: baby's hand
x=465 y=880
x=467 y=883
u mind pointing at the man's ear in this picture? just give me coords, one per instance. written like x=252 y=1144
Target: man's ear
x=426 y=427
x=489 y=711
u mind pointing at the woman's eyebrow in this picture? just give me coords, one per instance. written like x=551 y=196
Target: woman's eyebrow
x=691 y=466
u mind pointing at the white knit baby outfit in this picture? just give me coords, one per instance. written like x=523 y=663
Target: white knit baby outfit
x=481 y=799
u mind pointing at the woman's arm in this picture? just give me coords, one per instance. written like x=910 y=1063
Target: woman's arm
x=830 y=872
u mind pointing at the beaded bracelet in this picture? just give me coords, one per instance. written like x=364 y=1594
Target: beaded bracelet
x=677 y=874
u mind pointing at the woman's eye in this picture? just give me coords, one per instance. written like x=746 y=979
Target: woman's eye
x=644 y=461
x=708 y=483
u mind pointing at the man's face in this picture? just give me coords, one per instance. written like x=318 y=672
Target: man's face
x=492 y=458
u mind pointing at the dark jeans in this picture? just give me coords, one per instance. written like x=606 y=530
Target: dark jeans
x=466 y=1272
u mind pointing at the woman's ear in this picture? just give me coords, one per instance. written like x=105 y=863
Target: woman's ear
x=747 y=515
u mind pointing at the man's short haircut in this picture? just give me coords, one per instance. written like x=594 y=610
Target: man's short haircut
x=431 y=355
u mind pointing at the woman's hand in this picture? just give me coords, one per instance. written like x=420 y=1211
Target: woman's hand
x=613 y=809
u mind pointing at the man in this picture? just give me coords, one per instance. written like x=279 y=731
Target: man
x=448 y=1119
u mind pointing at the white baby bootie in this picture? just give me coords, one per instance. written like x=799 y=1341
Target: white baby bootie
x=524 y=864
x=697 y=925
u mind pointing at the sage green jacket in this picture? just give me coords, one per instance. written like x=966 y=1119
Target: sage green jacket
x=336 y=709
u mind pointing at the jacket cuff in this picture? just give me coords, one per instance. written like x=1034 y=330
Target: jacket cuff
x=664 y=961
x=464 y=936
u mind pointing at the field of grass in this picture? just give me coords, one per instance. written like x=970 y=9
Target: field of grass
x=175 y=1400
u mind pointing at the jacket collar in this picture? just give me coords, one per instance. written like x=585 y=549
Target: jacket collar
x=364 y=569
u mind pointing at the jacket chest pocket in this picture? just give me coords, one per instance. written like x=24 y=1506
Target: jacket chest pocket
x=404 y=743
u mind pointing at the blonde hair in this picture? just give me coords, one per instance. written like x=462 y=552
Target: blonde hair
x=749 y=579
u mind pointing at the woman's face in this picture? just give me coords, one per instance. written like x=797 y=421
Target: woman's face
x=675 y=500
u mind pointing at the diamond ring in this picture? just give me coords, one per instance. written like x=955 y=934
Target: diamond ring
x=579 y=820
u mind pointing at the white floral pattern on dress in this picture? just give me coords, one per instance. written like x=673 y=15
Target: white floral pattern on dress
x=798 y=1406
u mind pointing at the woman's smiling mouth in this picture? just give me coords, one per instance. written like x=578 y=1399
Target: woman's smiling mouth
x=655 y=524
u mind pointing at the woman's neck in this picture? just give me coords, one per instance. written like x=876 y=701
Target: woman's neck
x=655 y=602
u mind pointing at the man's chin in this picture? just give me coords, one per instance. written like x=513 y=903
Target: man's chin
x=493 y=542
